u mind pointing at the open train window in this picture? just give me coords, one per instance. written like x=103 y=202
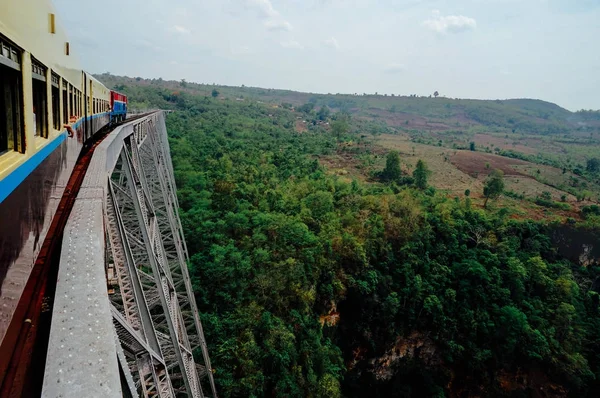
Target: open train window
x=77 y=104
x=12 y=133
x=65 y=100
x=55 y=102
x=71 y=101
x=40 y=99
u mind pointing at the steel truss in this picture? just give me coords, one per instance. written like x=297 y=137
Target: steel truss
x=152 y=302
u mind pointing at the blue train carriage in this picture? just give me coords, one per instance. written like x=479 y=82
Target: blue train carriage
x=42 y=88
x=118 y=106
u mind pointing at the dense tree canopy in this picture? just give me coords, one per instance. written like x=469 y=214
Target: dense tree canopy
x=310 y=285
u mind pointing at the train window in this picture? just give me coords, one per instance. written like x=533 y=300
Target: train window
x=40 y=98
x=71 y=101
x=55 y=102
x=77 y=103
x=65 y=100
x=12 y=133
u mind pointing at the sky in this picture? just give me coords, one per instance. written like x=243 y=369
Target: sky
x=488 y=49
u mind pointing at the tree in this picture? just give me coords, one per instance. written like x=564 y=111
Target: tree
x=215 y=93
x=307 y=108
x=339 y=127
x=472 y=146
x=436 y=94
x=593 y=165
x=494 y=186
x=183 y=83
x=421 y=174
x=392 y=170
x=546 y=195
x=323 y=113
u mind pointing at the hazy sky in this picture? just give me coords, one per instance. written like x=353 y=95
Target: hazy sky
x=546 y=49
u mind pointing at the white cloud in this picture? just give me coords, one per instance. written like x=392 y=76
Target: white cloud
x=264 y=7
x=274 y=21
x=242 y=50
x=332 y=42
x=394 y=68
x=180 y=29
x=291 y=44
x=278 y=25
x=449 y=23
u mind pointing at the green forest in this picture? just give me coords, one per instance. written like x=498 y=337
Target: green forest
x=312 y=286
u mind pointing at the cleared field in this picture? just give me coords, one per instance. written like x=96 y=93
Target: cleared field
x=478 y=163
x=498 y=141
x=454 y=171
x=403 y=120
x=531 y=188
x=444 y=176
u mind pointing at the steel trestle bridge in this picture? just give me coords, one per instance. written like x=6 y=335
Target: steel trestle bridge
x=124 y=320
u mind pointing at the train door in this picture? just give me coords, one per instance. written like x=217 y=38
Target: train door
x=86 y=129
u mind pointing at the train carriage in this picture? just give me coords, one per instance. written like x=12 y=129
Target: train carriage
x=42 y=89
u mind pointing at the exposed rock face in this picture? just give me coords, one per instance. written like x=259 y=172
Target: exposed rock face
x=577 y=244
x=415 y=346
x=418 y=346
x=533 y=382
x=331 y=318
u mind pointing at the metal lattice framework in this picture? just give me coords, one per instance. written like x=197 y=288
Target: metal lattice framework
x=153 y=295
x=160 y=346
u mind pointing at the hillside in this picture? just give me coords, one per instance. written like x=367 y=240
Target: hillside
x=531 y=116
x=340 y=255
x=544 y=149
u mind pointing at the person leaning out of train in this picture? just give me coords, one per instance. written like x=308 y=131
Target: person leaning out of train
x=69 y=127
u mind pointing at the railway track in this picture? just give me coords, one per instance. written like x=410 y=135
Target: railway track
x=23 y=350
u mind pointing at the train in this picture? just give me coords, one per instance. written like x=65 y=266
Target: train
x=50 y=110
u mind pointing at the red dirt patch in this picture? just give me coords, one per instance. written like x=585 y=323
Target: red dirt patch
x=474 y=163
